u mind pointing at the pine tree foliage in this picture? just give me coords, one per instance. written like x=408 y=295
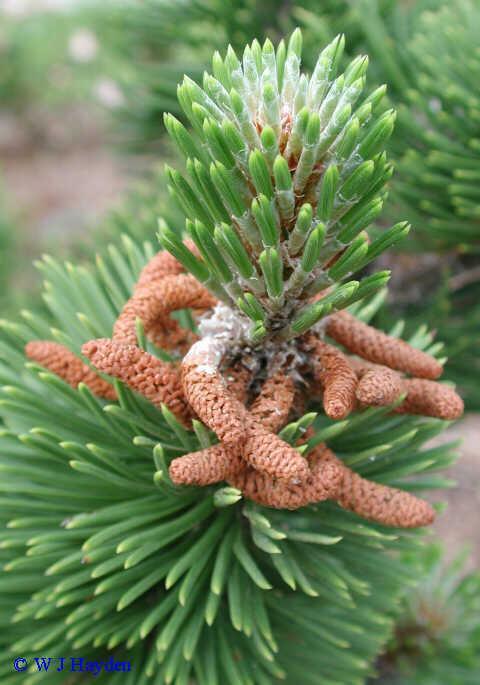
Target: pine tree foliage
x=387 y=30
x=416 y=48
x=437 y=636
x=137 y=213
x=455 y=316
x=425 y=53
x=435 y=147
x=163 y=54
x=381 y=27
x=459 y=323
x=101 y=553
x=291 y=166
x=423 y=50
x=438 y=174
x=8 y=248
x=384 y=29
x=454 y=311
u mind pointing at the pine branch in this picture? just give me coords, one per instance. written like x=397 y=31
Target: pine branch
x=104 y=549
x=90 y=483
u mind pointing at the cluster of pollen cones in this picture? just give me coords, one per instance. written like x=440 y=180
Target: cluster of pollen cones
x=374 y=370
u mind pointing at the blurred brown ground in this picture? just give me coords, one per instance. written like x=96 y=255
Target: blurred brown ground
x=458 y=525
x=60 y=177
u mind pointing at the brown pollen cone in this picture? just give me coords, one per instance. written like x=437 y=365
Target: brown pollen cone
x=237 y=379
x=167 y=334
x=61 y=361
x=205 y=467
x=269 y=454
x=157 y=381
x=266 y=452
x=380 y=348
x=327 y=476
x=154 y=302
x=334 y=373
x=261 y=448
x=378 y=385
x=380 y=503
x=161 y=265
x=322 y=483
x=428 y=398
x=330 y=479
x=274 y=402
x=207 y=393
